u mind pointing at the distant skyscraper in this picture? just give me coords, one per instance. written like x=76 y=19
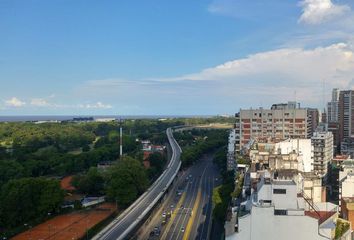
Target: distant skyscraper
x=332 y=119
x=332 y=106
x=346 y=121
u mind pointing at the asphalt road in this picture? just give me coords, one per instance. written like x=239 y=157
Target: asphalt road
x=191 y=211
x=123 y=225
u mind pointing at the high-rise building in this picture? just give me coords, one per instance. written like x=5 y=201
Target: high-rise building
x=346 y=119
x=332 y=106
x=322 y=143
x=312 y=120
x=281 y=122
x=231 y=156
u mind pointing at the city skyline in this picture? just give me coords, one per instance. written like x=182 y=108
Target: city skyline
x=205 y=57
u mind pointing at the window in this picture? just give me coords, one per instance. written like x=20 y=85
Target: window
x=279 y=191
x=280 y=212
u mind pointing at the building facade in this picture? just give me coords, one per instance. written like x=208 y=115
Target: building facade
x=280 y=122
x=332 y=107
x=275 y=211
x=231 y=155
x=346 y=116
x=322 y=143
x=312 y=121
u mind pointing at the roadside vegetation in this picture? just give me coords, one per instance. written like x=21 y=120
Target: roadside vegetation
x=223 y=193
x=197 y=142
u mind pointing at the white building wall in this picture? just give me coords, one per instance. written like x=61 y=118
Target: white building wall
x=303 y=147
x=264 y=225
x=348 y=186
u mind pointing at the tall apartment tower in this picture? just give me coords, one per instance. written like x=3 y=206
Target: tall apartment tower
x=280 y=122
x=332 y=119
x=312 y=120
x=346 y=121
x=332 y=106
x=322 y=143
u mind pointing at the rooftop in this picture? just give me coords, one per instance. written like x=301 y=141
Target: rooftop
x=283 y=182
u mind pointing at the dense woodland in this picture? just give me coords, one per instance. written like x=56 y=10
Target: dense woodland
x=33 y=158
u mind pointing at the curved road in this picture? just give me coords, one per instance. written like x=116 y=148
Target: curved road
x=125 y=223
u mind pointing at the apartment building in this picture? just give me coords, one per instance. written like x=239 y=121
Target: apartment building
x=231 y=155
x=312 y=121
x=346 y=120
x=280 y=122
x=322 y=143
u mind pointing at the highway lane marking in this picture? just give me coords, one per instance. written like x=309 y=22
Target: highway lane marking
x=174 y=213
x=190 y=205
x=203 y=201
x=207 y=205
x=156 y=216
x=192 y=218
x=203 y=198
x=195 y=208
x=181 y=216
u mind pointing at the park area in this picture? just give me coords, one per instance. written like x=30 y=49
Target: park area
x=69 y=226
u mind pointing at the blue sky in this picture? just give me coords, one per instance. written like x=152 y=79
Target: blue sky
x=171 y=57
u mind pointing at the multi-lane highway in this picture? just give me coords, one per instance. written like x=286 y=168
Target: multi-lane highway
x=191 y=211
x=124 y=224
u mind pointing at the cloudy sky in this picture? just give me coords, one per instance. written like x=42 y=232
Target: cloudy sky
x=171 y=57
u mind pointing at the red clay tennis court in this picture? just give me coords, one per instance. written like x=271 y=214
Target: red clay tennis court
x=68 y=226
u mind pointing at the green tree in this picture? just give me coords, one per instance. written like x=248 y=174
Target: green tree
x=91 y=183
x=157 y=161
x=10 y=169
x=26 y=199
x=126 y=181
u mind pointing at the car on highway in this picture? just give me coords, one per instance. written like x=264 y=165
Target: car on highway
x=182 y=229
x=172 y=206
x=157 y=231
x=164 y=214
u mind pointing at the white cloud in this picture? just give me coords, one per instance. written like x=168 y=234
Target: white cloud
x=278 y=74
x=39 y=102
x=319 y=11
x=98 y=105
x=14 y=102
x=262 y=78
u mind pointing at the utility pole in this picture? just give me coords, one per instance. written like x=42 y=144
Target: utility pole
x=121 y=140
